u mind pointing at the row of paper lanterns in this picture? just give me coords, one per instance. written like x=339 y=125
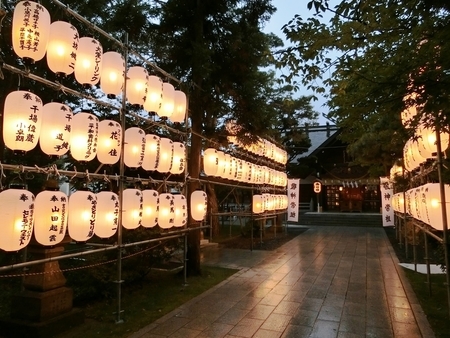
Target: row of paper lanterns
x=268 y=202
x=262 y=147
x=26 y=121
x=216 y=163
x=422 y=147
x=34 y=37
x=423 y=203
x=52 y=214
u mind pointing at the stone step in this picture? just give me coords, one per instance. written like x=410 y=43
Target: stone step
x=340 y=219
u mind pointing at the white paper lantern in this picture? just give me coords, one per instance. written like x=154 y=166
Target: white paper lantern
x=112 y=75
x=22 y=118
x=50 y=217
x=408 y=201
x=179 y=158
x=221 y=167
x=150 y=209
x=425 y=213
x=165 y=155
x=181 y=211
x=88 y=65
x=239 y=169
x=30 y=30
x=62 y=48
x=166 y=214
x=154 y=97
x=132 y=208
x=84 y=136
x=151 y=155
x=107 y=218
x=427 y=141
x=210 y=162
x=168 y=102
x=82 y=212
x=54 y=138
x=134 y=149
x=137 y=78
x=17 y=213
x=226 y=166
x=434 y=204
x=198 y=205
x=257 y=204
x=109 y=141
x=179 y=112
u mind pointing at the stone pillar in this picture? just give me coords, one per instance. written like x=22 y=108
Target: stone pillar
x=45 y=306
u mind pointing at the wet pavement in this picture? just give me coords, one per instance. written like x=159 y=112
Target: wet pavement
x=326 y=282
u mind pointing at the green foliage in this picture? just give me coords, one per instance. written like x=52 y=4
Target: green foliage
x=378 y=52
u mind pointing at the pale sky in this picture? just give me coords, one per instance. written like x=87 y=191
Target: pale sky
x=286 y=9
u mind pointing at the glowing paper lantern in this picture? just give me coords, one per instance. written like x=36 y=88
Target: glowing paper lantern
x=62 y=48
x=107 y=218
x=210 y=161
x=221 y=167
x=151 y=155
x=30 y=30
x=181 y=212
x=17 y=213
x=84 y=136
x=166 y=215
x=239 y=169
x=154 y=97
x=165 y=155
x=112 y=74
x=198 y=205
x=137 y=78
x=22 y=118
x=109 y=141
x=55 y=129
x=82 y=212
x=257 y=204
x=427 y=141
x=150 y=209
x=179 y=158
x=50 y=217
x=168 y=103
x=179 y=112
x=132 y=208
x=412 y=156
x=88 y=65
x=134 y=149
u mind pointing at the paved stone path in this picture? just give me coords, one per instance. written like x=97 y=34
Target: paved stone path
x=340 y=282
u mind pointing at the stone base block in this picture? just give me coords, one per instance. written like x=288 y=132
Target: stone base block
x=13 y=328
x=40 y=306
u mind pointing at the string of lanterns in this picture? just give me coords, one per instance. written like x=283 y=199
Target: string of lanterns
x=58 y=130
x=34 y=37
x=216 y=163
x=51 y=214
x=422 y=203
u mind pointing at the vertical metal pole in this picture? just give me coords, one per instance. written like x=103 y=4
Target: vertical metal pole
x=119 y=280
x=405 y=228
x=427 y=261
x=185 y=259
x=443 y=210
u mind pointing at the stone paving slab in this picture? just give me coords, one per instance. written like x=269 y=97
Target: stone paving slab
x=327 y=282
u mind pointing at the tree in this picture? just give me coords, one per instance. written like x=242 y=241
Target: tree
x=385 y=51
